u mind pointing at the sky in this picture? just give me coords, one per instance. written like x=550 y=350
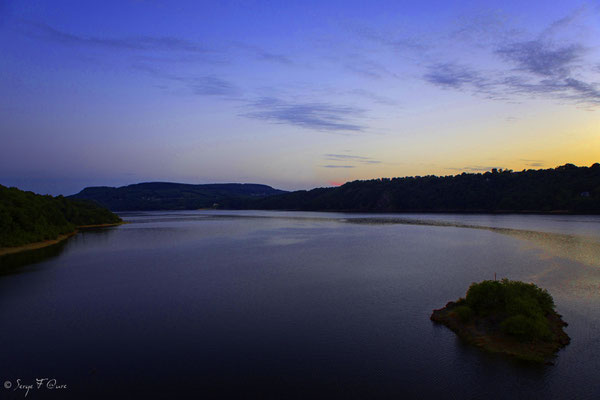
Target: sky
x=293 y=94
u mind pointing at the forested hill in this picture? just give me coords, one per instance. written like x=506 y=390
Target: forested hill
x=567 y=188
x=26 y=217
x=175 y=196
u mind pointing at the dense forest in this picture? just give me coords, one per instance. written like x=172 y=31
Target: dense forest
x=26 y=217
x=567 y=188
x=174 y=196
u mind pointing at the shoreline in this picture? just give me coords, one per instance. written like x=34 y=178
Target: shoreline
x=45 y=243
x=399 y=212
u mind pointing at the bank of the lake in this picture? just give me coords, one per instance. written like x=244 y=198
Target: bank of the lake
x=31 y=221
x=51 y=242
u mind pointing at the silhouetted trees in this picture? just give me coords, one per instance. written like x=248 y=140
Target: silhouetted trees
x=567 y=188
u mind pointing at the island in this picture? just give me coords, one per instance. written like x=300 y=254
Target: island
x=30 y=221
x=510 y=317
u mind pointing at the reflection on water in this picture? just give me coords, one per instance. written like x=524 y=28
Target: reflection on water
x=583 y=249
x=12 y=263
x=288 y=304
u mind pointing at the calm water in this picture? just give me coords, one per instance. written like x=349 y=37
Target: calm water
x=292 y=305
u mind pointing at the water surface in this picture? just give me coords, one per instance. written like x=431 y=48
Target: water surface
x=290 y=304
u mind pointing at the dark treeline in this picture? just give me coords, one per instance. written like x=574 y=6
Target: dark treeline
x=26 y=217
x=567 y=188
x=173 y=196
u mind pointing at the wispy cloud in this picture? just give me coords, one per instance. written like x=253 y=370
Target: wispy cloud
x=264 y=55
x=207 y=85
x=394 y=41
x=338 y=166
x=213 y=86
x=344 y=157
x=473 y=168
x=374 y=97
x=155 y=43
x=533 y=163
x=163 y=48
x=351 y=158
x=358 y=64
x=313 y=115
x=539 y=66
x=541 y=57
x=449 y=75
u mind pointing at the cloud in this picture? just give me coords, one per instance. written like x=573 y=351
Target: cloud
x=473 y=168
x=397 y=42
x=154 y=43
x=373 y=97
x=207 y=85
x=264 y=55
x=311 y=115
x=178 y=50
x=567 y=88
x=338 y=166
x=532 y=163
x=358 y=64
x=212 y=86
x=351 y=158
x=453 y=76
x=530 y=66
x=548 y=74
x=542 y=58
x=483 y=28
x=344 y=157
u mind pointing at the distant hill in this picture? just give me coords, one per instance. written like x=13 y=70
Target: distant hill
x=567 y=188
x=26 y=217
x=175 y=196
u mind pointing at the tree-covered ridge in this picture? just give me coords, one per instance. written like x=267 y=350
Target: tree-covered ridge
x=567 y=188
x=26 y=217
x=174 y=196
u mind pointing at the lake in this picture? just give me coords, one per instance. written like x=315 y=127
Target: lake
x=264 y=304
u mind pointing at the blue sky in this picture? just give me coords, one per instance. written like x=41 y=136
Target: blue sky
x=292 y=94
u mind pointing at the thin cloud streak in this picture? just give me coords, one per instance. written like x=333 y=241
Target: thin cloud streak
x=262 y=54
x=207 y=85
x=350 y=158
x=473 y=168
x=318 y=116
x=188 y=50
x=213 y=86
x=156 y=43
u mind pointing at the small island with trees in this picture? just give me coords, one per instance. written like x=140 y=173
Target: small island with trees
x=511 y=317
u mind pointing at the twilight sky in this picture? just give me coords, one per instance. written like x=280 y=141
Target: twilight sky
x=294 y=94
